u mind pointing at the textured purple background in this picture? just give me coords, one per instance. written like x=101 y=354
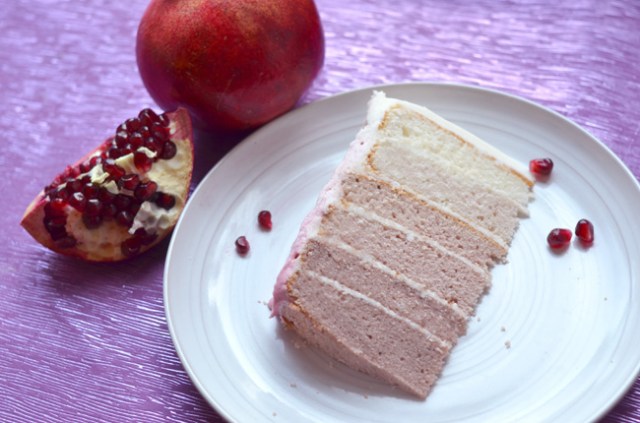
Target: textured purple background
x=81 y=342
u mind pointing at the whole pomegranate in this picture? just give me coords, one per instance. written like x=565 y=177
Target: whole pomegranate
x=234 y=64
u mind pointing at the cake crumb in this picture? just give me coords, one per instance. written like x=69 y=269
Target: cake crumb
x=503 y=329
x=293 y=385
x=507 y=344
x=478 y=318
x=274 y=414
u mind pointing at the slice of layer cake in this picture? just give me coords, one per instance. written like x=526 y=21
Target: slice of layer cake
x=395 y=257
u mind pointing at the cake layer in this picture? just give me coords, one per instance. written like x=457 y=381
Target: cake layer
x=472 y=199
x=423 y=217
x=365 y=336
x=451 y=278
x=464 y=154
x=376 y=281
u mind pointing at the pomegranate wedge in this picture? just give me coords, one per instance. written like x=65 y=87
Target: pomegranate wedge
x=122 y=198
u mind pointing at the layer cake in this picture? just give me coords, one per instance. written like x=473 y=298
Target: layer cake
x=389 y=266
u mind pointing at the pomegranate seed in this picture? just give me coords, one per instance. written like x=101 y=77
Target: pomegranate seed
x=91 y=221
x=145 y=131
x=131 y=246
x=159 y=131
x=61 y=193
x=126 y=149
x=121 y=138
x=115 y=171
x=124 y=218
x=147 y=116
x=264 y=219
x=129 y=181
x=90 y=190
x=95 y=160
x=541 y=167
x=130 y=125
x=105 y=196
x=56 y=227
x=559 y=238
x=134 y=207
x=55 y=207
x=169 y=150
x=55 y=223
x=109 y=211
x=142 y=161
x=163 y=119
x=77 y=201
x=93 y=207
x=144 y=237
x=114 y=153
x=153 y=144
x=145 y=190
x=136 y=140
x=85 y=166
x=70 y=172
x=242 y=245
x=166 y=201
x=122 y=202
x=584 y=232
x=74 y=185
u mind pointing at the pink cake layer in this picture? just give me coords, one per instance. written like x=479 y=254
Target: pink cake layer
x=361 y=334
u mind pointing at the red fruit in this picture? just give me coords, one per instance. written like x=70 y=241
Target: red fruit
x=242 y=245
x=142 y=161
x=559 y=238
x=234 y=64
x=145 y=190
x=95 y=219
x=129 y=181
x=541 y=167
x=264 y=220
x=166 y=201
x=584 y=232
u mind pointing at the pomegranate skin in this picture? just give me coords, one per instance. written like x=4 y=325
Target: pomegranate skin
x=234 y=64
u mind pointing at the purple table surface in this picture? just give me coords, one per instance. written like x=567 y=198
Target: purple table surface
x=85 y=342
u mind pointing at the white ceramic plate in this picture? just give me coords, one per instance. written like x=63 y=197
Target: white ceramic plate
x=555 y=340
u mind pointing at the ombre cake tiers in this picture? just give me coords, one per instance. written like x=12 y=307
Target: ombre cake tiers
x=396 y=255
